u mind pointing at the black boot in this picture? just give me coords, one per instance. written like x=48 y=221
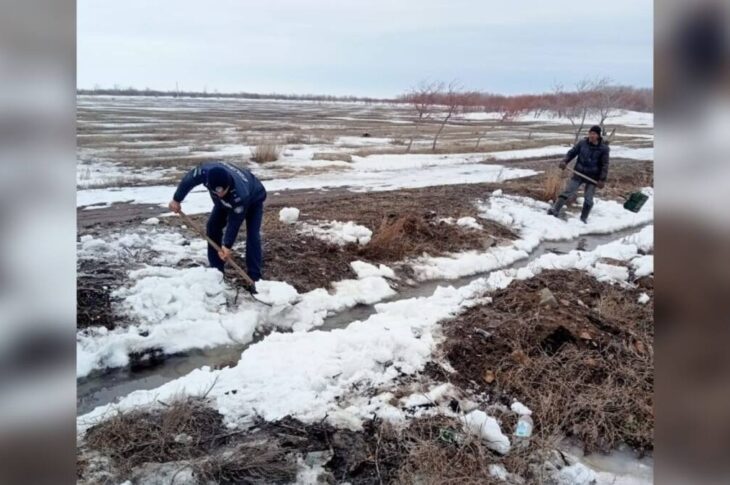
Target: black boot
x=555 y=209
x=584 y=213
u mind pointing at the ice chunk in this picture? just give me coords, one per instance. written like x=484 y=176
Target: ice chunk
x=276 y=292
x=289 y=215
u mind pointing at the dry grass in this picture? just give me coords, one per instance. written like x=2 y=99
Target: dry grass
x=586 y=370
x=192 y=434
x=437 y=450
x=552 y=185
x=183 y=430
x=332 y=156
x=265 y=152
x=249 y=463
x=410 y=234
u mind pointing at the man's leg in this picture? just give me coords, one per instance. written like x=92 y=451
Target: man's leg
x=590 y=190
x=570 y=189
x=254 y=253
x=214 y=229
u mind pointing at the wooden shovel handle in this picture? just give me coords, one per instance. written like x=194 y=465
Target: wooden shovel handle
x=581 y=175
x=197 y=229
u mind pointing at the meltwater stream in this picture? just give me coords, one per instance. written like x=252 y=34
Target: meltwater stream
x=105 y=387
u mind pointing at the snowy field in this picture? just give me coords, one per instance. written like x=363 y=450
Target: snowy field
x=292 y=363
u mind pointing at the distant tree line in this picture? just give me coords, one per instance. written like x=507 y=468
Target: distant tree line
x=599 y=94
x=130 y=91
x=591 y=99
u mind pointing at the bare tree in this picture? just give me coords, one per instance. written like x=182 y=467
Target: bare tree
x=558 y=100
x=579 y=105
x=422 y=99
x=608 y=98
x=453 y=99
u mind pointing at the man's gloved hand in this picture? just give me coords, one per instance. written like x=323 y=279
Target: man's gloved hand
x=251 y=288
x=562 y=165
x=601 y=184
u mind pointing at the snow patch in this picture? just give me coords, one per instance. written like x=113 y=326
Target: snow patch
x=335 y=232
x=520 y=409
x=479 y=424
x=364 y=270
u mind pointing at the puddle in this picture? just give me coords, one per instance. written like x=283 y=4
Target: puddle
x=105 y=387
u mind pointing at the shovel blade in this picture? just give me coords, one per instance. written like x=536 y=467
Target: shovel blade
x=635 y=201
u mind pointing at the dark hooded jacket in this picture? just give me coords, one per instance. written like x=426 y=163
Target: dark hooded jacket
x=592 y=159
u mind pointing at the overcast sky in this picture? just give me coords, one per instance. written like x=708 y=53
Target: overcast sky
x=361 y=47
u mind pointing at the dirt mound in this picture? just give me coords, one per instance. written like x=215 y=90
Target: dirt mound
x=411 y=235
x=584 y=365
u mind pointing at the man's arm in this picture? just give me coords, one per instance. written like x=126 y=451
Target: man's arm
x=191 y=179
x=604 y=164
x=572 y=153
x=235 y=219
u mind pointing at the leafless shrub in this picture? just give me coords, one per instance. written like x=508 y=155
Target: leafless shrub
x=265 y=152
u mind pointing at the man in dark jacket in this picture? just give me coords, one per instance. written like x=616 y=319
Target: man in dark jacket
x=237 y=196
x=593 y=155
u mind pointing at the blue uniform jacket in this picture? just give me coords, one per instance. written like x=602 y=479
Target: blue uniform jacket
x=245 y=191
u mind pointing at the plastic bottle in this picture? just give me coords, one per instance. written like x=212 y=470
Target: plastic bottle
x=523 y=430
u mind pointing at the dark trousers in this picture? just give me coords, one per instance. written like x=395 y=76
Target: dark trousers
x=572 y=188
x=254 y=254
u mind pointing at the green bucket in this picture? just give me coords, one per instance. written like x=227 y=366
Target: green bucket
x=635 y=201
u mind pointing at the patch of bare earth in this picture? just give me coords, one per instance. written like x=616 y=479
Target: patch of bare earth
x=584 y=365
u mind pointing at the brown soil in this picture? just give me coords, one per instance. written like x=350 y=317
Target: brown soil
x=404 y=223
x=94 y=283
x=585 y=367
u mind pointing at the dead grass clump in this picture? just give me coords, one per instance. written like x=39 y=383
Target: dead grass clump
x=437 y=451
x=249 y=463
x=552 y=185
x=410 y=234
x=183 y=430
x=585 y=367
x=332 y=156
x=265 y=152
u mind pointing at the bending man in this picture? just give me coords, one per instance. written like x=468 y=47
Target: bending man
x=237 y=196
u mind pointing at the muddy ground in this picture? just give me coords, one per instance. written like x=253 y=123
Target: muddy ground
x=405 y=224
x=584 y=364
x=308 y=263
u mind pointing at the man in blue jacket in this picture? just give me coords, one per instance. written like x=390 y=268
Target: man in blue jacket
x=237 y=196
x=593 y=155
